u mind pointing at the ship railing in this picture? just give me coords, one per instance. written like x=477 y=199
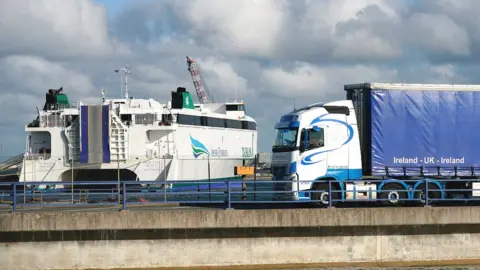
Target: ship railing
x=37 y=156
x=12 y=161
x=55 y=107
x=146 y=118
x=73 y=105
x=145 y=122
x=218 y=155
x=52 y=121
x=60 y=123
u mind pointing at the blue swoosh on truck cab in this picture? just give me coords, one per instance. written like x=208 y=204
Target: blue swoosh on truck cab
x=307 y=160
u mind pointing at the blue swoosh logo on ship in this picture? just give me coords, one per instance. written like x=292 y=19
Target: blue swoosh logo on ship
x=198 y=148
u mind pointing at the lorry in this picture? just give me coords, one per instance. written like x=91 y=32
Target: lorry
x=389 y=142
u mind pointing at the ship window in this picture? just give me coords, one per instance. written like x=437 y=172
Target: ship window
x=211 y=122
x=249 y=125
x=221 y=123
x=185 y=119
x=234 y=107
x=126 y=117
x=145 y=118
x=234 y=124
x=215 y=122
x=166 y=118
x=244 y=125
x=203 y=121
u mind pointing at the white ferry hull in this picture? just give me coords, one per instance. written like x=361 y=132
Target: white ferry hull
x=152 y=170
x=131 y=140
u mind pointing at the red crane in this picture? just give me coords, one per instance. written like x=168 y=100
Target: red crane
x=203 y=94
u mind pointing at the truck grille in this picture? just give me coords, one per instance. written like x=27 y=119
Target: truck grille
x=282 y=186
x=279 y=172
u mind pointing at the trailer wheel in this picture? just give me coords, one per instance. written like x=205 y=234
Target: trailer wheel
x=392 y=194
x=419 y=193
x=322 y=195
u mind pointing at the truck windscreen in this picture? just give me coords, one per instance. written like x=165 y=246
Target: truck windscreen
x=286 y=140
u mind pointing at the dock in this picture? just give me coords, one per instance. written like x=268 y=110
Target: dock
x=201 y=238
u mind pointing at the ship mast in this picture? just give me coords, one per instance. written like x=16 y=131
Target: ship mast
x=126 y=70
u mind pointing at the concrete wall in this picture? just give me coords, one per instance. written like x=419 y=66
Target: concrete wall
x=188 y=238
x=194 y=218
x=364 y=251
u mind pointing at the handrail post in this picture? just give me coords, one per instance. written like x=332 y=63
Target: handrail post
x=330 y=193
x=124 y=196
x=426 y=193
x=229 y=198
x=14 y=207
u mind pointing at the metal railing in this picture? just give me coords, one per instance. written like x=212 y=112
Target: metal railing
x=229 y=194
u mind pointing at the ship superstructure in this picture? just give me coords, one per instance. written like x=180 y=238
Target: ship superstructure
x=137 y=139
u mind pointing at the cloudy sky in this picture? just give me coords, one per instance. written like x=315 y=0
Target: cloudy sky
x=271 y=53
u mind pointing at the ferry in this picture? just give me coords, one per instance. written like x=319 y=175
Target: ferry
x=129 y=139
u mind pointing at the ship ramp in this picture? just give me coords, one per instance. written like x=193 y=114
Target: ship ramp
x=18 y=159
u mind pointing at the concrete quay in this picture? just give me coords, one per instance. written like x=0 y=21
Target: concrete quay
x=240 y=238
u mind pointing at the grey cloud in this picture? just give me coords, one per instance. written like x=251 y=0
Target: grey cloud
x=55 y=28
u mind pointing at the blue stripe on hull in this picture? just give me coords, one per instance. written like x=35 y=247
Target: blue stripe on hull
x=105 y=133
x=84 y=134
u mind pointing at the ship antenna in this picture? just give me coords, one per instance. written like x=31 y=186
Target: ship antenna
x=126 y=70
x=103 y=94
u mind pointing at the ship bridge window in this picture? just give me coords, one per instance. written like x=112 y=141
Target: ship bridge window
x=185 y=119
x=234 y=124
x=249 y=125
x=216 y=122
x=145 y=118
x=203 y=121
x=235 y=107
x=194 y=120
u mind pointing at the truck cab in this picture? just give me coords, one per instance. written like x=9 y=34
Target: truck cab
x=313 y=144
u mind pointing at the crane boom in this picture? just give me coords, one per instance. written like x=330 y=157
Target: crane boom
x=203 y=94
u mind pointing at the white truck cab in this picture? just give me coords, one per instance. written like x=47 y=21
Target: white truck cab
x=315 y=143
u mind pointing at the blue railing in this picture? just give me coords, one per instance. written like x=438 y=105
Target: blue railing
x=225 y=194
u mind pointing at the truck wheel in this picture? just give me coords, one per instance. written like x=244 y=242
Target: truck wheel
x=392 y=194
x=419 y=193
x=322 y=194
